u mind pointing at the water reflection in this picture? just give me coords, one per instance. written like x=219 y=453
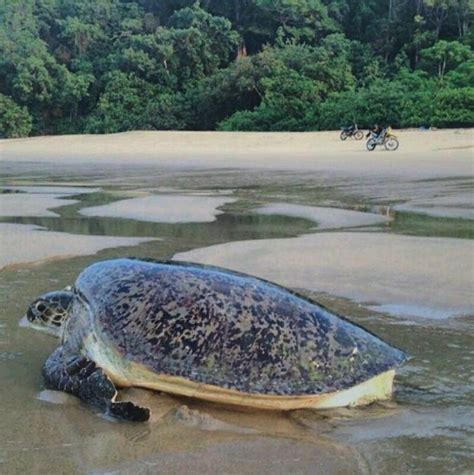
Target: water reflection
x=227 y=227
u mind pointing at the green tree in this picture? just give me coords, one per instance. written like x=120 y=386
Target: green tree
x=130 y=103
x=112 y=65
x=300 y=20
x=32 y=76
x=382 y=104
x=218 y=96
x=454 y=108
x=193 y=45
x=221 y=40
x=15 y=121
x=462 y=76
x=445 y=55
x=121 y=105
x=463 y=13
x=437 y=11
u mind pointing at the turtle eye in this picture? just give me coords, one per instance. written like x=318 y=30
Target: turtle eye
x=40 y=307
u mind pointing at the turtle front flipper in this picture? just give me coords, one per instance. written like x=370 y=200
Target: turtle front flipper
x=77 y=375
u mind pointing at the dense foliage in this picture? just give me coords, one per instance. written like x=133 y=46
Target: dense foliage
x=71 y=66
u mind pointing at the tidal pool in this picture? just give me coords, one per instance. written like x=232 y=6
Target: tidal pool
x=427 y=428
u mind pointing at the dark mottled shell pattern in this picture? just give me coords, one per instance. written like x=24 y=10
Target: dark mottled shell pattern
x=227 y=329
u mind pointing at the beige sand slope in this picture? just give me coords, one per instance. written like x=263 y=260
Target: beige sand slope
x=24 y=243
x=38 y=200
x=163 y=208
x=326 y=218
x=418 y=276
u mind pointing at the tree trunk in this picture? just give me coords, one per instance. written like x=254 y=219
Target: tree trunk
x=462 y=10
x=440 y=16
x=237 y=13
x=443 y=68
x=419 y=7
x=392 y=12
x=241 y=50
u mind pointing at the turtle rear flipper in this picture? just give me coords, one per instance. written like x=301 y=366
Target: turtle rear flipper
x=77 y=375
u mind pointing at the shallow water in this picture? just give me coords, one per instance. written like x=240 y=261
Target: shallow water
x=427 y=428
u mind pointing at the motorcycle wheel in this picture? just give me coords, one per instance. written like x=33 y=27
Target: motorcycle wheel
x=359 y=135
x=371 y=144
x=343 y=135
x=391 y=144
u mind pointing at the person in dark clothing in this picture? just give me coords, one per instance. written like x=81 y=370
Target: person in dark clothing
x=376 y=130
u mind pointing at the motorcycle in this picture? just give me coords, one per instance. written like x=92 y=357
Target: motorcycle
x=351 y=131
x=386 y=138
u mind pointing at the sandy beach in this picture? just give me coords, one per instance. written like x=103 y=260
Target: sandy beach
x=163 y=208
x=419 y=153
x=429 y=174
x=406 y=273
x=382 y=238
x=26 y=244
x=326 y=218
x=37 y=201
x=378 y=175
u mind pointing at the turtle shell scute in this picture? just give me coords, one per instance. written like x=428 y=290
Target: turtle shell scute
x=219 y=327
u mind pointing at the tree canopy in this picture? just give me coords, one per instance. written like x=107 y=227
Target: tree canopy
x=98 y=66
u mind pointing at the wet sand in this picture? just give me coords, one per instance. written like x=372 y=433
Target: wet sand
x=163 y=209
x=31 y=205
x=23 y=244
x=419 y=276
x=37 y=201
x=326 y=218
x=387 y=277
x=458 y=205
x=430 y=157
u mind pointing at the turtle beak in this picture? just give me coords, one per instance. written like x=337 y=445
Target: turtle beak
x=24 y=322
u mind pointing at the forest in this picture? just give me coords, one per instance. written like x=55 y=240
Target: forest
x=103 y=66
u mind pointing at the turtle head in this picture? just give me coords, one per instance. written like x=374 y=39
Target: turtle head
x=50 y=311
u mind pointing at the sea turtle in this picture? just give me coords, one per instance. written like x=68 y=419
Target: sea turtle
x=208 y=333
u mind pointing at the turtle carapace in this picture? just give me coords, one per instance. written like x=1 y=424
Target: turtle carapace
x=208 y=333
